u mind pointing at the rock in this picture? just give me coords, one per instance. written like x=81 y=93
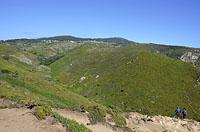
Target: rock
x=143 y=123
x=190 y=57
x=25 y=60
x=82 y=79
x=97 y=76
x=43 y=68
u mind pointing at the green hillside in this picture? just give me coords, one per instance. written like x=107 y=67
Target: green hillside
x=129 y=79
x=87 y=74
x=32 y=84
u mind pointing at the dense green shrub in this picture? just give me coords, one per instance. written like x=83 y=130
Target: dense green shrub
x=96 y=114
x=119 y=120
x=41 y=112
x=6 y=71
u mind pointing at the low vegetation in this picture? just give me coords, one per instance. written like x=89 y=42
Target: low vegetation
x=131 y=78
x=24 y=84
x=96 y=114
x=41 y=112
x=71 y=125
x=119 y=120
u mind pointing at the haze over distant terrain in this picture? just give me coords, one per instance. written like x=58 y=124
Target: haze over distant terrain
x=174 y=22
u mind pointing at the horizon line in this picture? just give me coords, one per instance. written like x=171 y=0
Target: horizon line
x=156 y=43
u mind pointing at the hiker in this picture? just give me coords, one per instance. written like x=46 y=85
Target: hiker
x=184 y=113
x=177 y=112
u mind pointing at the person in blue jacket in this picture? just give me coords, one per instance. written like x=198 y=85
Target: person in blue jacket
x=184 y=113
x=177 y=112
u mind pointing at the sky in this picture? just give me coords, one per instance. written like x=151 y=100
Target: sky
x=174 y=22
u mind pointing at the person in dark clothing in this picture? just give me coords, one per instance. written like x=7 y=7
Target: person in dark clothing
x=177 y=112
x=184 y=113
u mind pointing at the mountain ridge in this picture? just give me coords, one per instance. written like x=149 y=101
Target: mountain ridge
x=184 y=53
x=98 y=39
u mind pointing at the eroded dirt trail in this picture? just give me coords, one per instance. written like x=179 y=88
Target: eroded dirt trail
x=22 y=120
x=83 y=118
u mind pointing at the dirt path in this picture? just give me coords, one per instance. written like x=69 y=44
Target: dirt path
x=83 y=118
x=22 y=120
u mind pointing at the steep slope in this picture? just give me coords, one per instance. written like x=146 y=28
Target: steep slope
x=24 y=80
x=32 y=83
x=130 y=79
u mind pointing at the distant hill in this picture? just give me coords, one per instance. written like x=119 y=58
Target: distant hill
x=72 y=38
x=187 y=54
x=117 y=40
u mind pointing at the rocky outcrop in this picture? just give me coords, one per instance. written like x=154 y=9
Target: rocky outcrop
x=23 y=59
x=143 y=123
x=190 y=57
x=43 y=68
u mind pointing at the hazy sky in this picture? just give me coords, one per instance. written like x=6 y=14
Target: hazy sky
x=159 y=21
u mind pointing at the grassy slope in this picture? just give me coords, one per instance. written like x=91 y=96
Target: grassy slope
x=33 y=86
x=29 y=84
x=131 y=78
